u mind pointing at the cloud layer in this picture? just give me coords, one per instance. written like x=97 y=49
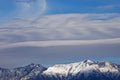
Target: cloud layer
x=62 y=43
x=62 y=27
x=56 y=38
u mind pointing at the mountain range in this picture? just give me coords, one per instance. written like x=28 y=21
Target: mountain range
x=85 y=70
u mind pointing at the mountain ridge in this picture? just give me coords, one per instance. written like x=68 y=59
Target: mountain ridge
x=85 y=70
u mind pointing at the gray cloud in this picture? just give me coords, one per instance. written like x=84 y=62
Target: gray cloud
x=62 y=27
x=17 y=56
x=58 y=38
x=62 y=43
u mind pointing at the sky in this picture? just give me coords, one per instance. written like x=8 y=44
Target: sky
x=10 y=9
x=50 y=32
x=83 y=6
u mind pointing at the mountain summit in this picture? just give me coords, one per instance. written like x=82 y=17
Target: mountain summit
x=85 y=70
x=88 y=61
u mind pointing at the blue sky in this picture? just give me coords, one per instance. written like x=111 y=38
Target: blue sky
x=83 y=6
x=59 y=31
x=9 y=10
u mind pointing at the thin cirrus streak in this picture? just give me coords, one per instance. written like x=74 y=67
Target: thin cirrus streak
x=62 y=43
x=27 y=9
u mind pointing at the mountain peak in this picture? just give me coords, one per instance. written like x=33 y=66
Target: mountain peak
x=32 y=65
x=88 y=61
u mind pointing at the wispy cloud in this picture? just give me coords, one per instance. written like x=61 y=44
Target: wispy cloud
x=56 y=38
x=108 y=7
x=27 y=9
x=62 y=27
x=62 y=43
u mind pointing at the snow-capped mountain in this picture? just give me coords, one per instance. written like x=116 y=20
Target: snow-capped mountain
x=85 y=70
x=85 y=66
x=21 y=73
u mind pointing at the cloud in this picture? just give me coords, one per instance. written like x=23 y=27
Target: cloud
x=62 y=43
x=21 y=55
x=58 y=38
x=27 y=9
x=62 y=27
x=109 y=7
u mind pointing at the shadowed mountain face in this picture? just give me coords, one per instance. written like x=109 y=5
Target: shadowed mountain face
x=85 y=70
x=21 y=72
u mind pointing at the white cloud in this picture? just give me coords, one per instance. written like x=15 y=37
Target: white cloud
x=62 y=27
x=58 y=38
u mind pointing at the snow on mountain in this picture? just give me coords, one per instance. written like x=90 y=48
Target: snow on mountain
x=85 y=70
x=85 y=66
